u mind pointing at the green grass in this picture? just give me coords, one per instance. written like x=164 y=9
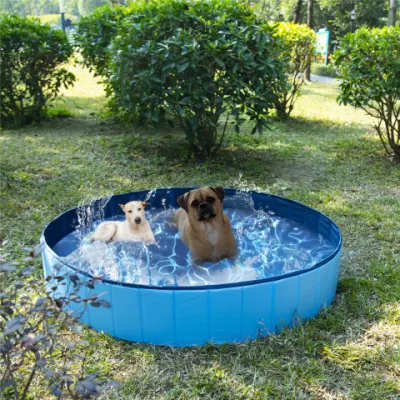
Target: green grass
x=326 y=156
x=323 y=70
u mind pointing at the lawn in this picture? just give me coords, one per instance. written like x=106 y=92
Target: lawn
x=326 y=156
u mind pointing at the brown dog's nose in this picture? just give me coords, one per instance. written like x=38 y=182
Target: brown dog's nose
x=203 y=206
x=138 y=220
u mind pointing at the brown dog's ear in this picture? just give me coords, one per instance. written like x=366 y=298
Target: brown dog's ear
x=122 y=206
x=144 y=203
x=183 y=201
x=219 y=190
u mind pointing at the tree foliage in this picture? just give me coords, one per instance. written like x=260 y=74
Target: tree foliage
x=298 y=51
x=86 y=7
x=369 y=65
x=332 y=14
x=24 y=8
x=31 y=71
x=95 y=33
x=195 y=61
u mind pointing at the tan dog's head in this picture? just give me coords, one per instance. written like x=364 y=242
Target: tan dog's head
x=134 y=211
x=203 y=204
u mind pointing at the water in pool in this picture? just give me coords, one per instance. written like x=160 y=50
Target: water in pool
x=269 y=246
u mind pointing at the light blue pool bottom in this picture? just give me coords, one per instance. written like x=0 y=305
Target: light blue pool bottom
x=221 y=313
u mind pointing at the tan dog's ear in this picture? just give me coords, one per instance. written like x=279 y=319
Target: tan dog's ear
x=122 y=206
x=144 y=203
x=219 y=190
x=183 y=201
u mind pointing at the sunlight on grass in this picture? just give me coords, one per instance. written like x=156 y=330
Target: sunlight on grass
x=85 y=97
x=318 y=101
x=32 y=139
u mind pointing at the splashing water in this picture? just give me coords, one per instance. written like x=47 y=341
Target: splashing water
x=269 y=246
x=87 y=215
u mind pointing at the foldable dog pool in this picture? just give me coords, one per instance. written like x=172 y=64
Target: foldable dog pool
x=286 y=271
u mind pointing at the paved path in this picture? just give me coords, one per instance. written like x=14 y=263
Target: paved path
x=325 y=79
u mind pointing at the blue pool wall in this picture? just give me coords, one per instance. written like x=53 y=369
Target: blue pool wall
x=217 y=314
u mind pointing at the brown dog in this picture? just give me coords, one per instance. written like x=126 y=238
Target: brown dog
x=203 y=226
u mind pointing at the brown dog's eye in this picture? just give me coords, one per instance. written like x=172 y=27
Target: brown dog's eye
x=210 y=199
x=139 y=209
x=195 y=203
x=130 y=211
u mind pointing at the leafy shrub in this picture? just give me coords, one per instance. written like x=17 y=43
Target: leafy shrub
x=31 y=55
x=368 y=63
x=95 y=33
x=298 y=50
x=33 y=331
x=194 y=61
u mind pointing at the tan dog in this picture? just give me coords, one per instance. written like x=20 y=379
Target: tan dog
x=203 y=226
x=134 y=228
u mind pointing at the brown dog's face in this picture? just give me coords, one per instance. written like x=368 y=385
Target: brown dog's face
x=203 y=204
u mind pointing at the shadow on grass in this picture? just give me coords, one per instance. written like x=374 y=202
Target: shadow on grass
x=293 y=151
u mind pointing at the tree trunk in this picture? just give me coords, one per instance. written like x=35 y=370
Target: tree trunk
x=297 y=11
x=392 y=12
x=310 y=25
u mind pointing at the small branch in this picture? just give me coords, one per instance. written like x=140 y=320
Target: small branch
x=28 y=384
x=222 y=136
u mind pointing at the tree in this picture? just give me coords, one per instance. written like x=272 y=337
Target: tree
x=271 y=10
x=392 y=12
x=310 y=25
x=23 y=8
x=335 y=14
x=297 y=11
x=86 y=7
x=332 y=14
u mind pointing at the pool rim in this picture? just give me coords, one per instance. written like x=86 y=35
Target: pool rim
x=197 y=287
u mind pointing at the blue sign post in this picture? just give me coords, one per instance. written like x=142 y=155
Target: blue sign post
x=322 y=45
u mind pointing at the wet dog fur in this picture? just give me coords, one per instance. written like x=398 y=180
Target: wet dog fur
x=204 y=227
x=134 y=228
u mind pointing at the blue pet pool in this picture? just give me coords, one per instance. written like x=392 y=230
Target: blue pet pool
x=286 y=271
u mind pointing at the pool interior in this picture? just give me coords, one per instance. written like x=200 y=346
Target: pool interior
x=269 y=246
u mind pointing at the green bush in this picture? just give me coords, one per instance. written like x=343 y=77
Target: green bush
x=31 y=55
x=95 y=33
x=194 y=61
x=368 y=63
x=298 y=50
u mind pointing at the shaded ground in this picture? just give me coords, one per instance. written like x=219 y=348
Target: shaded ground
x=326 y=156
